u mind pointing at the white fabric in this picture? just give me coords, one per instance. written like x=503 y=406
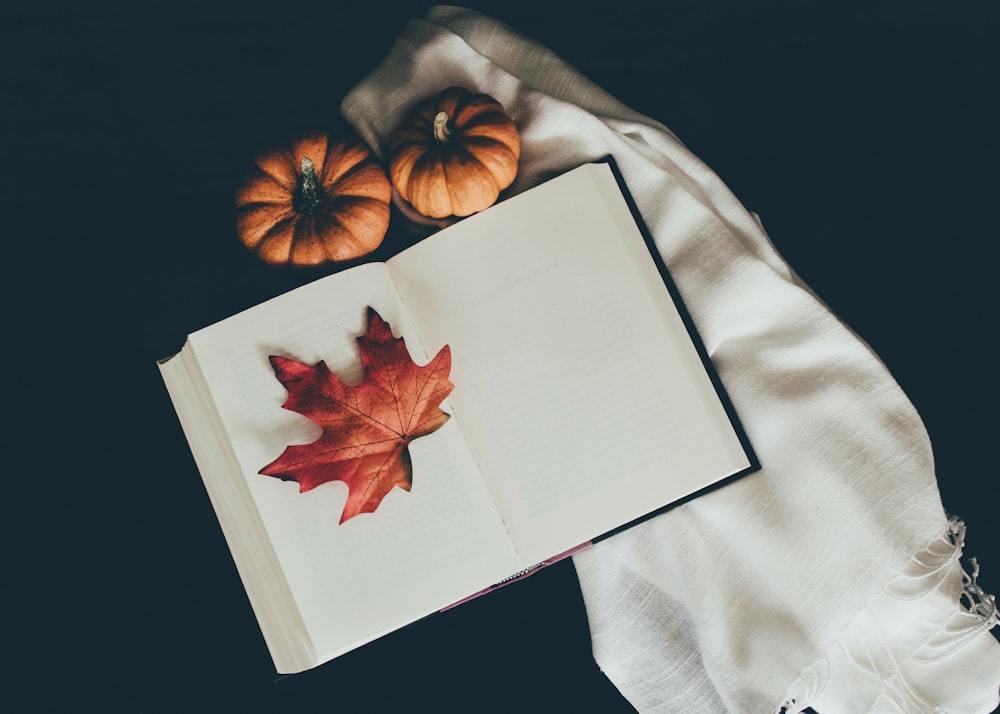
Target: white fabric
x=829 y=579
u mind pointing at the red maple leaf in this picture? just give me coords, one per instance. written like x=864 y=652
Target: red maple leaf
x=367 y=428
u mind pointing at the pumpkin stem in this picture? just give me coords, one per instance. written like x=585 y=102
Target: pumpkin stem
x=310 y=193
x=441 y=131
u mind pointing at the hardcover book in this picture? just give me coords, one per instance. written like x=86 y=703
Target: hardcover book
x=409 y=434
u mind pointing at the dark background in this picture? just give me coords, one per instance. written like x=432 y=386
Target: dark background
x=864 y=134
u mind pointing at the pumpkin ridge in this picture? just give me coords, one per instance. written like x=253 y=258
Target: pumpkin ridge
x=262 y=188
x=274 y=205
x=300 y=231
x=468 y=155
x=480 y=114
x=275 y=245
x=483 y=176
x=334 y=186
x=493 y=117
x=349 y=236
x=499 y=161
x=330 y=223
x=282 y=210
x=479 y=135
x=337 y=155
x=255 y=222
x=481 y=105
x=429 y=164
x=276 y=228
x=279 y=168
x=501 y=170
x=486 y=142
x=366 y=205
x=306 y=240
x=400 y=171
x=352 y=201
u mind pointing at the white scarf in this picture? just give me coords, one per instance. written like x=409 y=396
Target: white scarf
x=831 y=578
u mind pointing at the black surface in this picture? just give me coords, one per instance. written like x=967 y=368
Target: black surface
x=863 y=134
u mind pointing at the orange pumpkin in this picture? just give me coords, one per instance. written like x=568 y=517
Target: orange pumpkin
x=454 y=153
x=315 y=200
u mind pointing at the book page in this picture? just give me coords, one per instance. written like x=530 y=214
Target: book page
x=421 y=549
x=576 y=383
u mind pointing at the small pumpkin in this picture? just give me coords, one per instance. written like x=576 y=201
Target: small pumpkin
x=315 y=200
x=454 y=153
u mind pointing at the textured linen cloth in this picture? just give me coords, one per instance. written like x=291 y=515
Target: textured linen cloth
x=829 y=579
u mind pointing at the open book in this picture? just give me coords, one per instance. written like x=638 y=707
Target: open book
x=583 y=401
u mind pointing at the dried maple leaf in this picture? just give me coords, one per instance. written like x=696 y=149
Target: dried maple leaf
x=367 y=428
